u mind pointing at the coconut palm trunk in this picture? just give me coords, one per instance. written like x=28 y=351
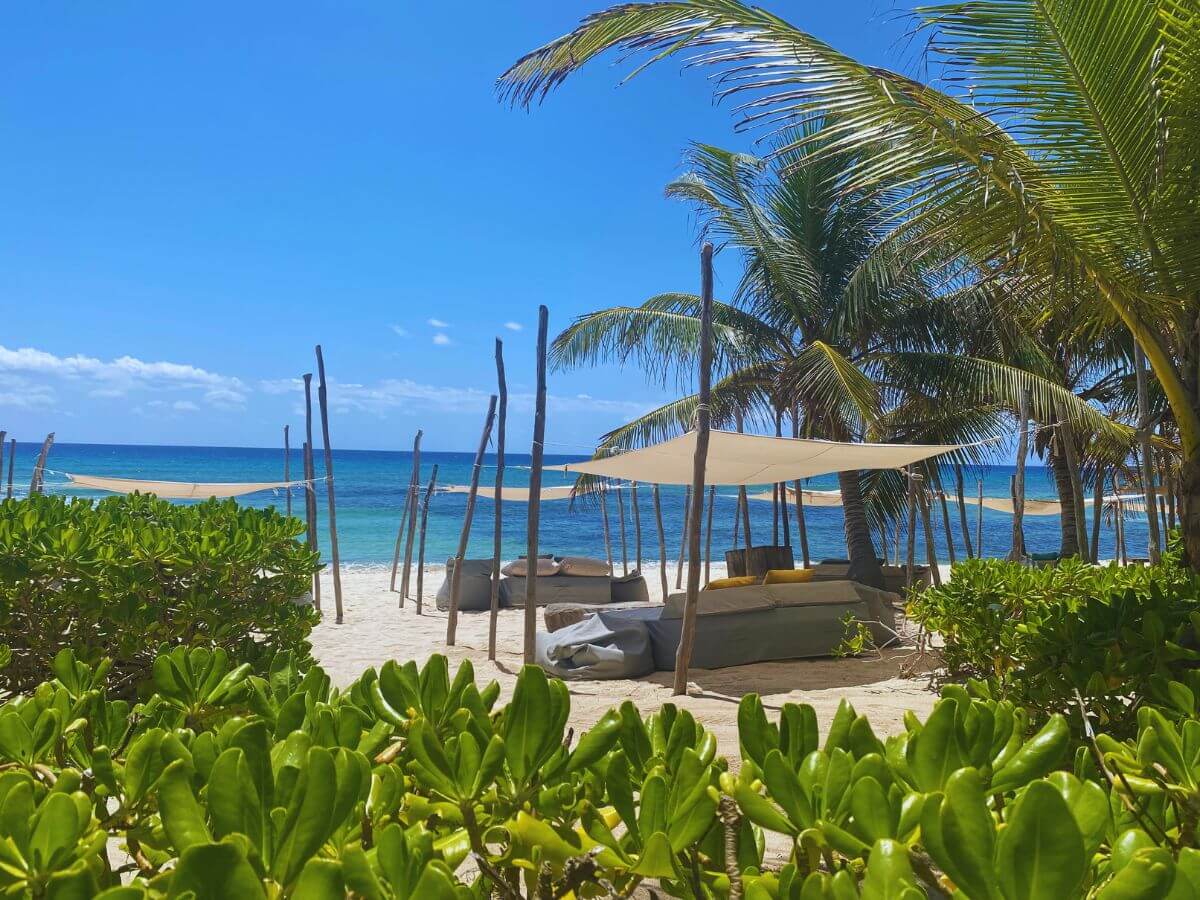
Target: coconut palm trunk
x=1068 y=527
x=864 y=564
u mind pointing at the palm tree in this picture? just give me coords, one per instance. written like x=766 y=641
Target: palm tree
x=1065 y=152
x=826 y=319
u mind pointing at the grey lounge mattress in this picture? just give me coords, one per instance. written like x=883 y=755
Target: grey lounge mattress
x=734 y=627
x=558 y=589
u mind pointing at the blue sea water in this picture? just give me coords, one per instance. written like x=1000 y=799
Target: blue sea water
x=371 y=484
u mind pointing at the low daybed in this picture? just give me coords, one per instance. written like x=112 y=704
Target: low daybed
x=734 y=626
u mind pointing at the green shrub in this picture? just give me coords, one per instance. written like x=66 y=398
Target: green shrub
x=413 y=784
x=126 y=577
x=1048 y=638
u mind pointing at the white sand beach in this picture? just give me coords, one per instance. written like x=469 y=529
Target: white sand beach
x=376 y=630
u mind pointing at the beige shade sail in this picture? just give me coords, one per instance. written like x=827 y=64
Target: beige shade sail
x=811 y=498
x=516 y=494
x=740 y=459
x=177 y=490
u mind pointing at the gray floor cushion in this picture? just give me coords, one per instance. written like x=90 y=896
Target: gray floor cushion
x=558 y=589
x=475 y=586
x=602 y=646
x=630 y=588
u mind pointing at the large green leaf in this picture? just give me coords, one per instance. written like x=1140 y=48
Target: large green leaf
x=1040 y=855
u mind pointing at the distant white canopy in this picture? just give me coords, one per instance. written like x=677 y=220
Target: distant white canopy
x=811 y=498
x=739 y=459
x=177 y=490
x=516 y=494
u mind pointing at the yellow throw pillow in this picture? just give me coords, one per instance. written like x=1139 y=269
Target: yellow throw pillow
x=738 y=581
x=788 y=576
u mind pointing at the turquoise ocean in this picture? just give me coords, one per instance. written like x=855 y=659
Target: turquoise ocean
x=371 y=484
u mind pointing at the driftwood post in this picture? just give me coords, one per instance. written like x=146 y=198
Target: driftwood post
x=3 y=435
x=334 y=556
x=801 y=525
x=911 y=548
x=604 y=516
x=662 y=544
x=924 y=498
x=784 y=515
x=1097 y=512
x=38 y=482
x=400 y=538
x=1018 y=483
x=287 y=467
x=421 y=541
x=743 y=500
x=497 y=537
x=637 y=526
x=979 y=522
x=712 y=496
x=1147 y=457
x=535 y=485
x=412 y=518
x=12 y=457
x=935 y=478
x=465 y=536
x=962 y=510
x=1119 y=521
x=683 y=538
x=310 y=486
x=687 y=635
x=410 y=508
x=621 y=519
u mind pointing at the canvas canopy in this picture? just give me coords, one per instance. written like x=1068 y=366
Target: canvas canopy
x=177 y=490
x=811 y=498
x=740 y=459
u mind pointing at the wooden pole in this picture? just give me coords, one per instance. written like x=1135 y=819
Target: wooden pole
x=1119 y=523
x=962 y=510
x=1147 y=458
x=712 y=496
x=687 y=635
x=683 y=538
x=412 y=518
x=1066 y=441
x=421 y=542
x=38 y=483
x=12 y=458
x=775 y=515
x=935 y=478
x=930 y=549
x=409 y=509
x=743 y=500
x=535 y=485
x=498 y=532
x=1017 y=552
x=637 y=526
x=621 y=519
x=287 y=467
x=911 y=549
x=465 y=536
x=335 y=559
x=979 y=521
x=662 y=544
x=896 y=554
x=801 y=524
x=784 y=516
x=604 y=516
x=737 y=521
x=3 y=436
x=1161 y=470
x=310 y=487
x=1097 y=512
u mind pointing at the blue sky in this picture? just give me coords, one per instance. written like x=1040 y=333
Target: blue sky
x=196 y=194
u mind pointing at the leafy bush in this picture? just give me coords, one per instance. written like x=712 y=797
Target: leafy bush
x=126 y=577
x=411 y=784
x=1048 y=638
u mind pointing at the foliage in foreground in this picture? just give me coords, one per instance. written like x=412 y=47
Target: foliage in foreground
x=1054 y=638
x=126 y=576
x=410 y=784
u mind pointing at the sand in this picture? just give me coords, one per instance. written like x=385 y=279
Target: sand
x=376 y=630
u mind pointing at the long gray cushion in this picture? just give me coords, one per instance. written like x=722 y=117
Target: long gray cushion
x=558 y=589
x=751 y=598
x=880 y=617
x=475 y=586
x=601 y=646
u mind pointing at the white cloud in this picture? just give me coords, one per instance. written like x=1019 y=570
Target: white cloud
x=402 y=332
x=120 y=376
x=438 y=323
x=513 y=326
x=442 y=340
x=184 y=406
x=281 y=385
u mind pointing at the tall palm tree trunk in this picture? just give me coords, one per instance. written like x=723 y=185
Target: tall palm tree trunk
x=864 y=564
x=1068 y=533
